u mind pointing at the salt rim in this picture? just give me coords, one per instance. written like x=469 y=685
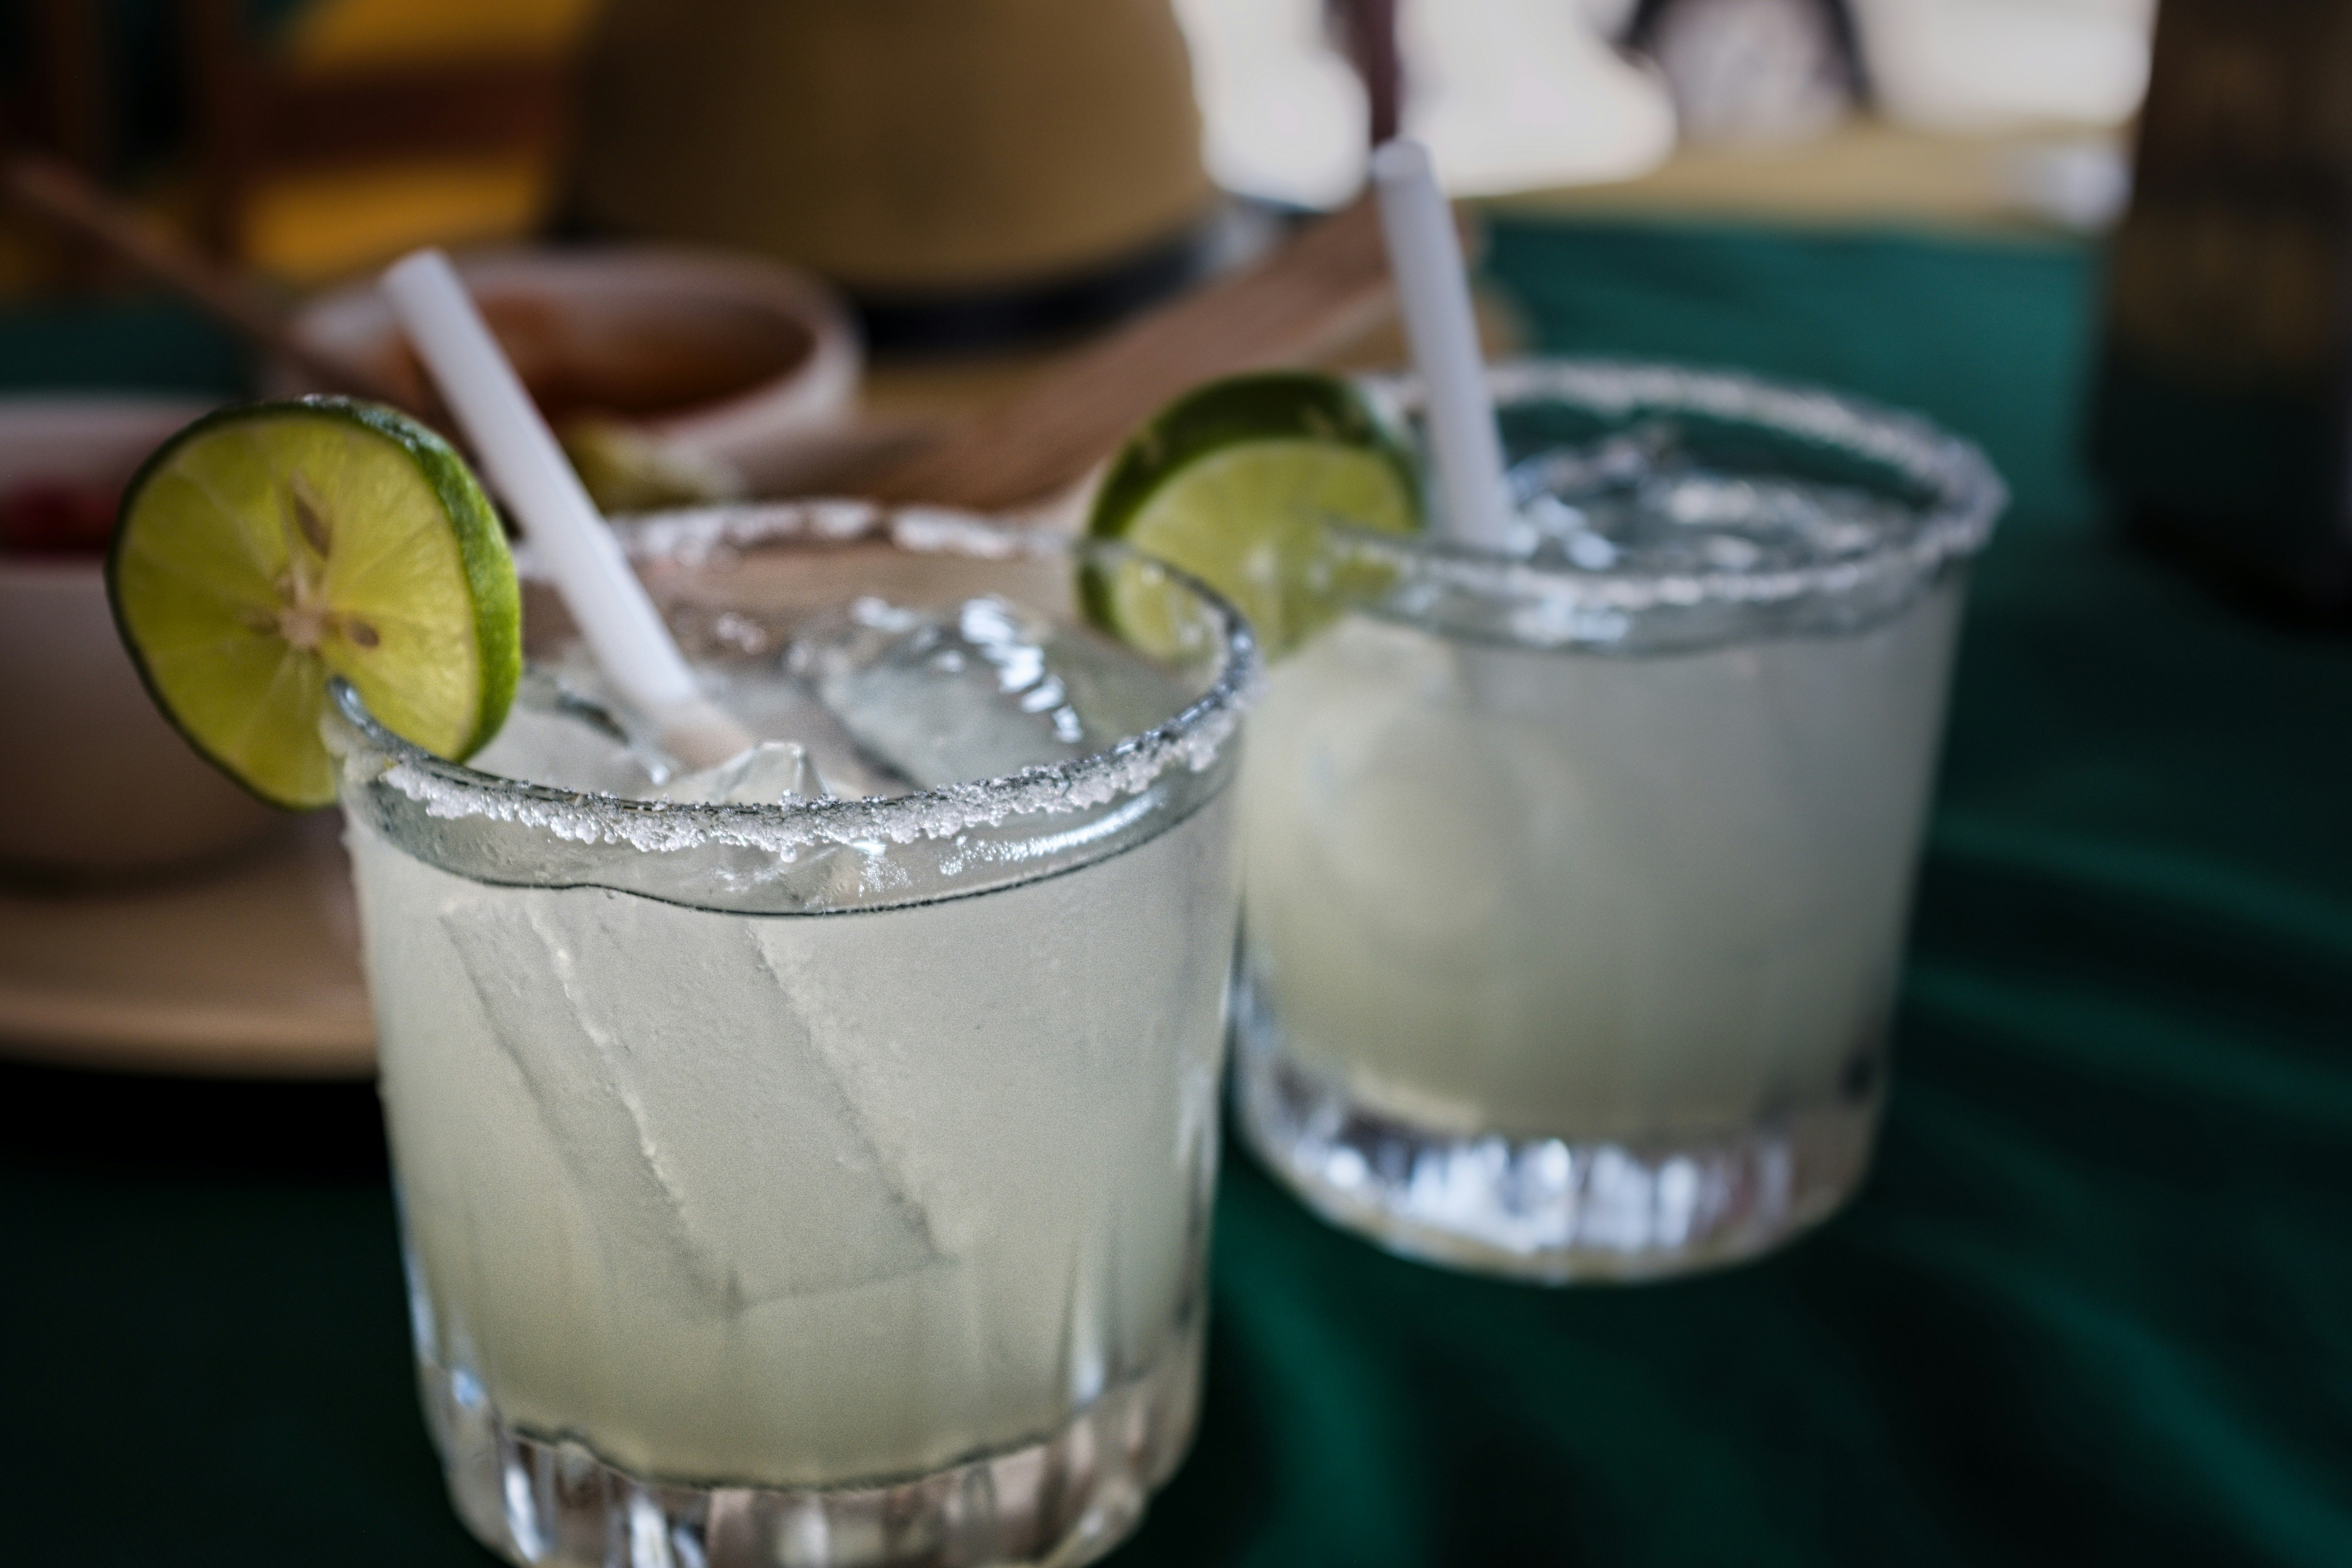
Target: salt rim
x=1193 y=736
x=1966 y=496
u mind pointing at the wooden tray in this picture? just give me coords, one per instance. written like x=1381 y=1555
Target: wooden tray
x=248 y=969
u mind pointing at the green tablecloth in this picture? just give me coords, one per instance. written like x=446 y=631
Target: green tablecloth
x=2094 y=1306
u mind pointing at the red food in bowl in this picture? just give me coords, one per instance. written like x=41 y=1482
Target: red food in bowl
x=58 y=517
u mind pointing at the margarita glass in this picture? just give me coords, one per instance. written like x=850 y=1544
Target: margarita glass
x=1579 y=870
x=821 y=1179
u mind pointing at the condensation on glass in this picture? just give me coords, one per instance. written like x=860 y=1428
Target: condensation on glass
x=1579 y=870
x=809 y=1163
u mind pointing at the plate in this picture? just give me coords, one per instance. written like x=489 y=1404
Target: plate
x=248 y=968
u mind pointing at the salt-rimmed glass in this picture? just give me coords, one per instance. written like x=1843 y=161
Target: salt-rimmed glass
x=1579 y=870
x=826 y=1181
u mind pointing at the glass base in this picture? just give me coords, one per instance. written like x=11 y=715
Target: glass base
x=1548 y=1210
x=1052 y=1504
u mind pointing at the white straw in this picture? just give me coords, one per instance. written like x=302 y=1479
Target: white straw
x=528 y=469
x=1425 y=259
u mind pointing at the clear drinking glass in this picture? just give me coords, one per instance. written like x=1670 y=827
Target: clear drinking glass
x=824 y=1181
x=1578 y=872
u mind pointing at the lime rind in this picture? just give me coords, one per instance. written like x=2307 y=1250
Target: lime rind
x=346 y=506
x=1260 y=406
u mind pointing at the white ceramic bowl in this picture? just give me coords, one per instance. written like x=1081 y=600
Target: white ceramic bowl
x=92 y=780
x=724 y=357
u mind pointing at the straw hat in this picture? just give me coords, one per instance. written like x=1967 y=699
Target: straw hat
x=904 y=147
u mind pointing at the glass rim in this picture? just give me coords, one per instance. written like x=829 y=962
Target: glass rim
x=1963 y=495
x=1191 y=736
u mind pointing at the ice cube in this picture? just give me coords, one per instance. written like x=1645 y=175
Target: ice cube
x=678 y=1079
x=1577 y=474
x=981 y=688
x=554 y=736
x=770 y=772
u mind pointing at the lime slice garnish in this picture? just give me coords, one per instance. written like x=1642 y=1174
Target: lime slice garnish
x=1238 y=483
x=265 y=548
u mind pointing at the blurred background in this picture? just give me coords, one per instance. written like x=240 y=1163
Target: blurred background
x=916 y=152
x=917 y=204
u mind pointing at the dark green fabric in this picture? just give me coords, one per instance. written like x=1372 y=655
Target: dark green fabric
x=2094 y=1307
x=115 y=345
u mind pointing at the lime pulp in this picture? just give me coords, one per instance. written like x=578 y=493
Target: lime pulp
x=1239 y=484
